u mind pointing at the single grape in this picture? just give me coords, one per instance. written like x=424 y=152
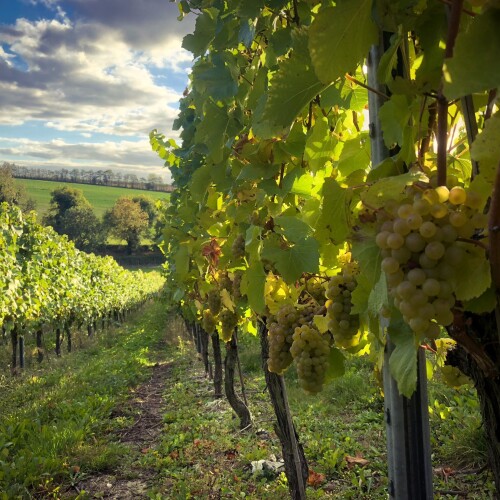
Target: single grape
x=457 y=195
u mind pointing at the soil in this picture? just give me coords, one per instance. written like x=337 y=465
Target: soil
x=147 y=406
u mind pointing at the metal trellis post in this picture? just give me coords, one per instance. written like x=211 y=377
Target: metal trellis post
x=407 y=419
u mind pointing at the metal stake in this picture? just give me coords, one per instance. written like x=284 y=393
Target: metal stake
x=407 y=419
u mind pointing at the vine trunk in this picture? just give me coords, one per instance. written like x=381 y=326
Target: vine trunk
x=287 y=434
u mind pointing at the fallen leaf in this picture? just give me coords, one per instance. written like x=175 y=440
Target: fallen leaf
x=315 y=478
x=357 y=460
x=231 y=454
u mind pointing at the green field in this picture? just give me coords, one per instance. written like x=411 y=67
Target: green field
x=100 y=197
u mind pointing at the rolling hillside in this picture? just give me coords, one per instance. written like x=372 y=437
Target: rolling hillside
x=100 y=197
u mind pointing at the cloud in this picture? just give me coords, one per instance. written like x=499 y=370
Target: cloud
x=81 y=86
x=95 y=67
x=125 y=155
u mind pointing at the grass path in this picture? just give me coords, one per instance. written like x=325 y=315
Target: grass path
x=132 y=415
x=60 y=423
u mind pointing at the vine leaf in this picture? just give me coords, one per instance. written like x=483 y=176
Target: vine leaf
x=256 y=280
x=204 y=33
x=292 y=88
x=292 y=261
x=403 y=360
x=378 y=296
x=200 y=181
x=388 y=188
x=340 y=38
x=213 y=130
x=355 y=154
x=484 y=303
x=292 y=228
x=334 y=220
x=336 y=367
x=215 y=78
x=486 y=148
x=367 y=254
x=475 y=53
x=474 y=277
x=320 y=144
x=394 y=117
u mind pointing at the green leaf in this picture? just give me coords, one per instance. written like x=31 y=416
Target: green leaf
x=302 y=185
x=403 y=360
x=292 y=228
x=250 y=8
x=334 y=220
x=388 y=188
x=292 y=88
x=213 y=130
x=204 y=33
x=340 y=38
x=474 y=66
x=367 y=255
x=486 y=302
x=389 y=60
x=378 y=297
x=474 y=275
x=394 y=117
x=181 y=260
x=200 y=181
x=256 y=279
x=336 y=364
x=355 y=155
x=320 y=144
x=291 y=262
x=486 y=148
x=214 y=79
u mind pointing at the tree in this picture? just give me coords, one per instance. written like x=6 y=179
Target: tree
x=12 y=193
x=82 y=226
x=62 y=199
x=71 y=214
x=127 y=221
x=149 y=206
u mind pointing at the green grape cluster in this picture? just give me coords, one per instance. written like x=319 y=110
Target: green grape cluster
x=236 y=287
x=314 y=287
x=342 y=323
x=238 y=247
x=310 y=350
x=229 y=320
x=280 y=331
x=422 y=252
x=208 y=321
x=214 y=301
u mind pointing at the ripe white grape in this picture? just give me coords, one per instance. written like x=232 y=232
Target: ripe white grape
x=419 y=273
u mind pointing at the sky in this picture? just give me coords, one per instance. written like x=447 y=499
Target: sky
x=83 y=82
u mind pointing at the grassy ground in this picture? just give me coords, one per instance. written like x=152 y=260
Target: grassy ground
x=132 y=415
x=100 y=197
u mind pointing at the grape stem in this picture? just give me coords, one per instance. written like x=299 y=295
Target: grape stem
x=367 y=87
x=478 y=243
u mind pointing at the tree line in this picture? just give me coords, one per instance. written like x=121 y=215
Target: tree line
x=71 y=214
x=108 y=177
